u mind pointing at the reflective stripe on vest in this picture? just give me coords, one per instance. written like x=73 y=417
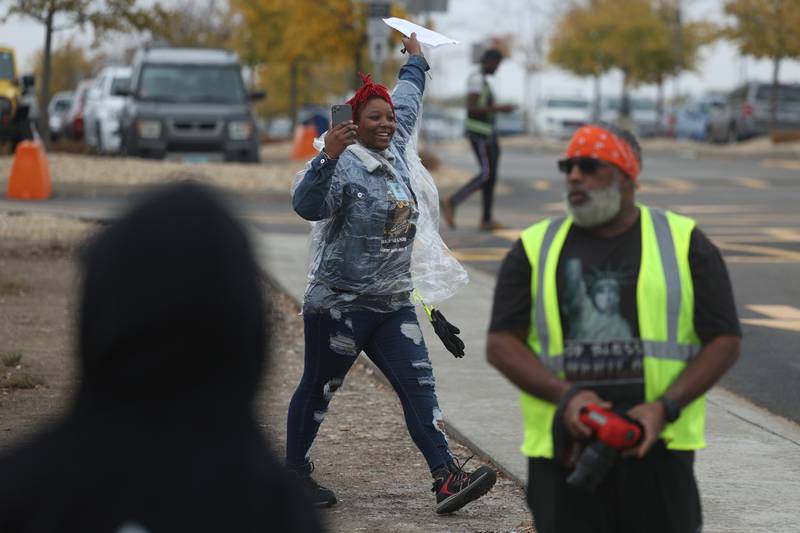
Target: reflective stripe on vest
x=478 y=126
x=665 y=308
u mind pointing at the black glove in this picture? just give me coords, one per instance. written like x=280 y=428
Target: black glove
x=447 y=332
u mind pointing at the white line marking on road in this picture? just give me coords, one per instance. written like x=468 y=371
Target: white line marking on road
x=780 y=317
x=480 y=254
x=703 y=209
x=751 y=183
x=768 y=251
x=791 y=164
x=677 y=184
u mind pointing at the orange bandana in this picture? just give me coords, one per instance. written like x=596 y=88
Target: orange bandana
x=597 y=143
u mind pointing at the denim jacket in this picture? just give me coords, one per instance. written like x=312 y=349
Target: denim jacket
x=367 y=242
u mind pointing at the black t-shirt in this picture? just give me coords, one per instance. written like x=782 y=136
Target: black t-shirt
x=596 y=283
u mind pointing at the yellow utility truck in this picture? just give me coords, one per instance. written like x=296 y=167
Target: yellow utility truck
x=14 y=106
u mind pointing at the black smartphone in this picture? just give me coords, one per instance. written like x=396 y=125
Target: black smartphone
x=341 y=113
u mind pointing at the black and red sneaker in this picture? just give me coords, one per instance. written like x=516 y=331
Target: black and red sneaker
x=455 y=488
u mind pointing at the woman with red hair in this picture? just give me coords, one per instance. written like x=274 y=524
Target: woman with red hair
x=360 y=281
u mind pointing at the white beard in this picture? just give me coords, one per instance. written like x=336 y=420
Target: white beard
x=600 y=207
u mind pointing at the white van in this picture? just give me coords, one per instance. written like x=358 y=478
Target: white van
x=643 y=113
x=559 y=117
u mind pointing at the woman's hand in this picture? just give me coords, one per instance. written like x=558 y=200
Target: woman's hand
x=412 y=45
x=340 y=137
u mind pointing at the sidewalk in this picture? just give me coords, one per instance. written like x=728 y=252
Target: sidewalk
x=749 y=476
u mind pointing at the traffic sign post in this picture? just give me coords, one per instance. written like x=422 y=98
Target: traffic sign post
x=378 y=35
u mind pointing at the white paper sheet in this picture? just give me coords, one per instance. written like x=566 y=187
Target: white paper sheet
x=424 y=35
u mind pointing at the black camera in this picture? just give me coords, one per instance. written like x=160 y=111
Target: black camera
x=592 y=466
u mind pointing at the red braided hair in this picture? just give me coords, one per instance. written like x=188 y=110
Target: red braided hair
x=368 y=90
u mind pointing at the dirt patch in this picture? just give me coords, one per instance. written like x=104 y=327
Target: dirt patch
x=37 y=286
x=363 y=451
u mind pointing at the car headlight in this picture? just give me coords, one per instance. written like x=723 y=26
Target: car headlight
x=239 y=130
x=148 y=129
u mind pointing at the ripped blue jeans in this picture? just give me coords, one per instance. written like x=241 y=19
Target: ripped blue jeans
x=393 y=341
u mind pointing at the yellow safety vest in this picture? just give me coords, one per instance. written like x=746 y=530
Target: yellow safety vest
x=484 y=125
x=665 y=307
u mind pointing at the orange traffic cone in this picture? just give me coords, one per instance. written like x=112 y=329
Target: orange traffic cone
x=304 y=142
x=30 y=177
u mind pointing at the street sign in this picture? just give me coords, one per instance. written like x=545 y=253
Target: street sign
x=378 y=50
x=377 y=29
x=379 y=10
x=416 y=7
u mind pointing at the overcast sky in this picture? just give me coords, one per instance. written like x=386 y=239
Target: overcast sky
x=472 y=21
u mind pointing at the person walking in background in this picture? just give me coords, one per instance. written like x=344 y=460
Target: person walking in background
x=162 y=434
x=621 y=309
x=480 y=130
x=359 y=295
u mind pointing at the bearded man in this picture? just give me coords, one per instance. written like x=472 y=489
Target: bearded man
x=678 y=332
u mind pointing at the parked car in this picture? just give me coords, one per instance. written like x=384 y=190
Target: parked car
x=103 y=106
x=559 y=117
x=189 y=103
x=440 y=123
x=57 y=111
x=16 y=100
x=74 y=124
x=691 y=119
x=512 y=123
x=747 y=112
x=279 y=128
x=643 y=113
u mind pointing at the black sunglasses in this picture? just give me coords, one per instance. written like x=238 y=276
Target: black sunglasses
x=587 y=165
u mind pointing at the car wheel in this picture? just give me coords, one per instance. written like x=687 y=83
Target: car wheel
x=98 y=131
x=733 y=135
x=124 y=150
x=253 y=156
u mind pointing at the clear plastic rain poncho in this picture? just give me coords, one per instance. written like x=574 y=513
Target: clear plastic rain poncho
x=376 y=240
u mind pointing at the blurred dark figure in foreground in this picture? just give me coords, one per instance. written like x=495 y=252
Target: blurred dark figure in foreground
x=162 y=435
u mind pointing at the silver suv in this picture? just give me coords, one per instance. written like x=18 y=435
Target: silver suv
x=190 y=104
x=746 y=113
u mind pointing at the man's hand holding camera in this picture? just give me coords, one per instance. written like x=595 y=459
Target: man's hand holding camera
x=572 y=421
x=651 y=416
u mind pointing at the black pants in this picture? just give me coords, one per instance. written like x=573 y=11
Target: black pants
x=487 y=150
x=656 y=494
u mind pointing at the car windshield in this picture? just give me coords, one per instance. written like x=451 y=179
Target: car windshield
x=643 y=105
x=6 y=66
x=119 y=83
x=192 y=83
x=637 y=104
x=565 y=103
x=61 y=106
x=785 y=94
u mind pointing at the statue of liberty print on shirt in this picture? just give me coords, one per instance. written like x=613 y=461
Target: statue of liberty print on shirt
x=600 y=347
